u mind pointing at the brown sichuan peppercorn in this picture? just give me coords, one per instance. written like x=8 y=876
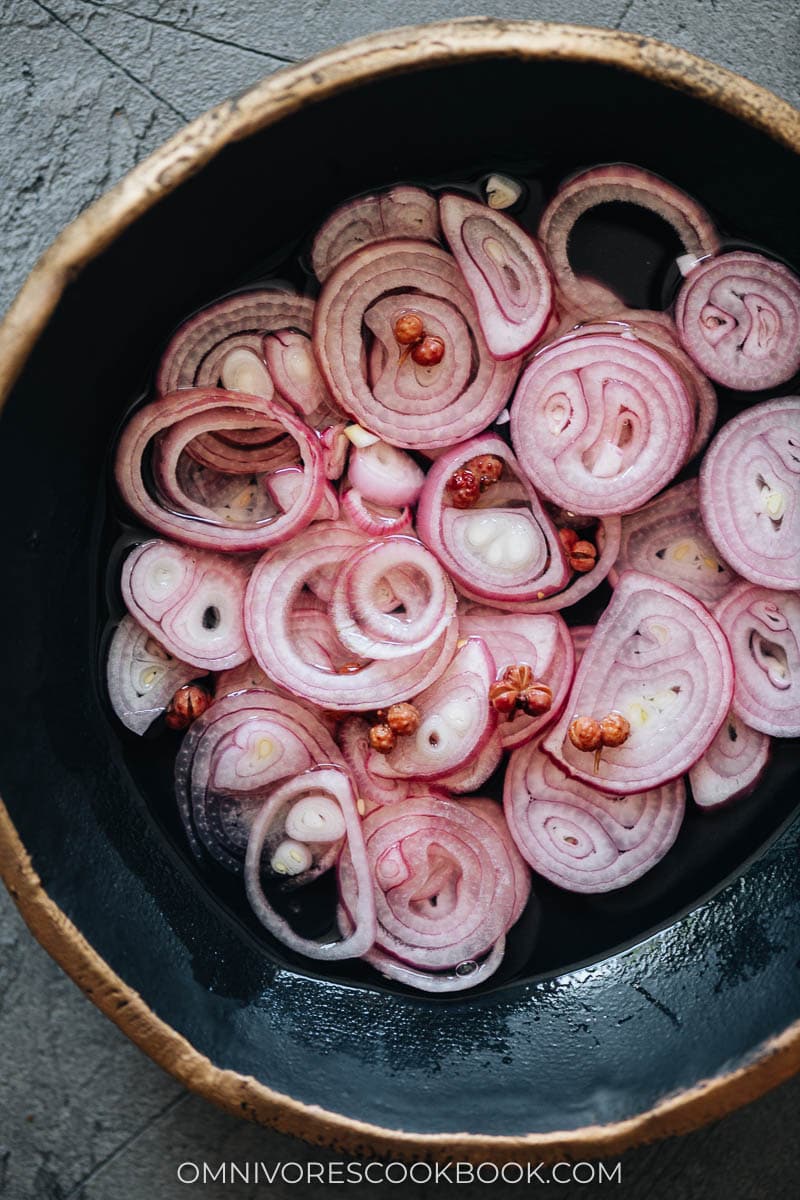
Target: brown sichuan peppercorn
x=615 y=729
x=519 y=675
x=382 y=738
x=429 y=352
x=487 y=469
x=403 y=718
x=518 y=689
x=503 y=698
x=585 y=733
x=188 y=703
x=582 y=557
x=536 y=700
x=408 y=329
x=568 y=538
x=463 y=488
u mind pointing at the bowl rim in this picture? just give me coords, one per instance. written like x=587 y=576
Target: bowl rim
x=378 y=56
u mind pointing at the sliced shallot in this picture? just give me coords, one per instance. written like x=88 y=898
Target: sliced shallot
x=456 y=720
x=506 y=554
x=505 y=270
x=658 y=330
x=190 y=601
x=402 y=212
x=738 y=316
x=274 y=591
x=731 y=766
x=617 y=183
x=408 y=404
x=763 y=628
x=658 y=658
x=294 y=371
x=449 y=883
x=385 y=475
x=176 y=419
x=331 y=786
x=600 y=423
x=375 y=520
x=220 y=327
x=750 y=492
x=233 y=757
x=580 y=838
x=419 y=609
x=667 y=538
x=142 y=676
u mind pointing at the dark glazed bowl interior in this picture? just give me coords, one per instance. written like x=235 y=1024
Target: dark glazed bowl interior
x=580 y=1032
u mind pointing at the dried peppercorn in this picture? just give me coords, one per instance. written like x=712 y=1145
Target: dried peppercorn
x=188 y=703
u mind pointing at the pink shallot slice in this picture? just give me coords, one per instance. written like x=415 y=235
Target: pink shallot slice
x=581 y=838
x=763 y=629
x=750 y=493
x=505 y=270
x=276 y=588
x=600 y=423
x=407 y=403
x=190 y=601
x=331 y=786
x=456 y=720
x=402 y=212
x=738 y=316
x=449 y=884
x=617 y=183
x=731 y=766
x=505 y=555
x=658 y=658
x=142 y=676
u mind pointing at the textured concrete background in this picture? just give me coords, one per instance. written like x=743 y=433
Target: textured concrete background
x=87 y=89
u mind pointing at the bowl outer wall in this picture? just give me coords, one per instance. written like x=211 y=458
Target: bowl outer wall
x=542 y=1035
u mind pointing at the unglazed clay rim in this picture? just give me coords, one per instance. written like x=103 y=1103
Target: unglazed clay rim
x=365 y=60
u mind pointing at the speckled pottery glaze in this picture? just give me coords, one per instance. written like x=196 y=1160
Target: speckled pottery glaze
x=699 y=1011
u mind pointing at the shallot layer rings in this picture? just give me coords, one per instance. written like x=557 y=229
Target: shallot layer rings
x=418 y=582
x=763 y=629
x=275 y=586
x=658 y=658
x=750 y=493
x=167 y=412
x=142 y=676
x=448 y=882
x=245 y=744
x=403 y=212
x=190 y=601
x=600 y=423
x=731 y=766
x=335 y=784
x=255 y=312
x=617 y=183
x=658 y=330
x=667 y=538
x=500 y=555
x=409 y=405
x=376 y=520
x=738 y=316
x=505 y=271
x=580 y=838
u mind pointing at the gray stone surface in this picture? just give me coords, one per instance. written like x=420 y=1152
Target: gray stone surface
x=86 y=90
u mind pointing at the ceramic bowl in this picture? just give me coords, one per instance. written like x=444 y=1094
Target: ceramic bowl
x=645 y=1012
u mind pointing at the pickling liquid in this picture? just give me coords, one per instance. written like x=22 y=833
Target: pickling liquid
x=635 y=253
